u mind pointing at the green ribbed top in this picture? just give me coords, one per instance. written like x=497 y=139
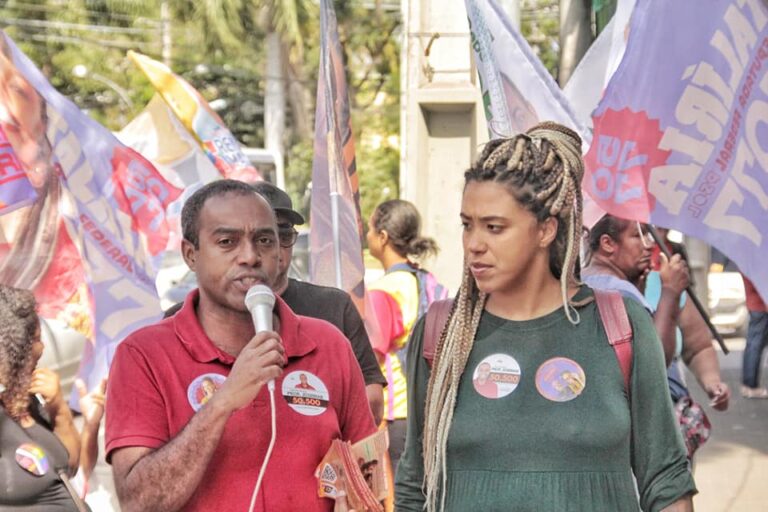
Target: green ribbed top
x=525 y=452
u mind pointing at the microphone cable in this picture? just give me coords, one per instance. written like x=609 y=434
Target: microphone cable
x=273 y=414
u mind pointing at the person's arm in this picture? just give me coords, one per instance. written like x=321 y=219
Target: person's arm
x=682 y=505
x=410 y=470
x=674 y=280
x=164 y=478
x=700 y=357
x=46 y=383
x=92 y=408
x=356 y=420
x=375 y=394
x=657 y=452
x=354 y=330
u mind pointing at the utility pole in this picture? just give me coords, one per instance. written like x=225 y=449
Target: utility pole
x=575 y=35
x=165 y=32
x=274 y=105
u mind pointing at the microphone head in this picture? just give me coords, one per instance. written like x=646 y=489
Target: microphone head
x=259 y=294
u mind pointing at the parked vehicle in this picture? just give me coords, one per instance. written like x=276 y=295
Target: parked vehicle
x=727 y=303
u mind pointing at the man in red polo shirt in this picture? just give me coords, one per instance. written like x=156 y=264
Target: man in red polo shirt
x=172 y=445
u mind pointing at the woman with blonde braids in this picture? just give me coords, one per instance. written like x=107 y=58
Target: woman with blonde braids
x=558 y=431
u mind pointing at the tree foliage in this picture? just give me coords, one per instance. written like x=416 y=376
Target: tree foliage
x=218 y=46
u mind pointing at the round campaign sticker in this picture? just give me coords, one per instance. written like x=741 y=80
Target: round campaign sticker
x=202 y=389
x=560 y=379
x=32 y=459
x=496 y=376
x=305 y=393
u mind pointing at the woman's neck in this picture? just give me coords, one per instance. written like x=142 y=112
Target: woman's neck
x=537 y=296
x=390 y=258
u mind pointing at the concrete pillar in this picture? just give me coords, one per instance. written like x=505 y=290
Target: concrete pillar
x=442 y=122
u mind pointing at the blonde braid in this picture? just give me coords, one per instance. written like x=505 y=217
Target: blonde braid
x=564 y=195
x=451 y=357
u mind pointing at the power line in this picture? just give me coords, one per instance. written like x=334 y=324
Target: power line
x=76 y=26
x=78 y=40
x=102 y=14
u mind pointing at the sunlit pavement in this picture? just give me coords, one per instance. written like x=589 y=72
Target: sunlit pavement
x=731 y=470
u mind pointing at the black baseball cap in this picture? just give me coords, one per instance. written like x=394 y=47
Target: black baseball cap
x=279 y=201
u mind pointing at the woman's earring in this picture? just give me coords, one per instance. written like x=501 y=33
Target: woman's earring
x=2 y=388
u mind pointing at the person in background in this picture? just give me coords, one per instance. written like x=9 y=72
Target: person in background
x=757 y=340
x=590 y=445
x=618 y=261
x=323 y=302
x=399 y=299
x=39 y=445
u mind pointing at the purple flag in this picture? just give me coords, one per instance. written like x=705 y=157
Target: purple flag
x=681 y=135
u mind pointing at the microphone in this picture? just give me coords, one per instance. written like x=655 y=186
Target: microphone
x=260 y=301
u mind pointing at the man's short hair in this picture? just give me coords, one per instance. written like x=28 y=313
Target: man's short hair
x=190 y=213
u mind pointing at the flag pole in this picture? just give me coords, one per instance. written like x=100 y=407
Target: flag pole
x=335 y=196
x=330 y=138
x=663 y=247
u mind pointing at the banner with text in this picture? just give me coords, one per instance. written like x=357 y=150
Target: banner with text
x=160 y=137
x=681 y=135
x=200 y=119
x=517 y=89
x=92 y=236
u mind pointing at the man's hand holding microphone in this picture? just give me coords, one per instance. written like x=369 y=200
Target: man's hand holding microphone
x=260 y=362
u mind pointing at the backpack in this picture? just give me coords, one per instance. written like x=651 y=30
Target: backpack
x=430 y=291
x=613 y=314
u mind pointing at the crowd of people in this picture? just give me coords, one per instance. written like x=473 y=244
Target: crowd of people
x=550 y=381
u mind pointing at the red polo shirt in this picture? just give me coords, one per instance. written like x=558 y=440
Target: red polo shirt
x=162 y=373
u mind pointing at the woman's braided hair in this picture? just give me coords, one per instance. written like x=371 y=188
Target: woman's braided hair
x=19 y=329
x=542 y=169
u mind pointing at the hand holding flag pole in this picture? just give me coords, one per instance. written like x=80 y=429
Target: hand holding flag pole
x=663 y=247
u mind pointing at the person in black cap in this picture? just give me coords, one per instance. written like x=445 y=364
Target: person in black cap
x=323 y=302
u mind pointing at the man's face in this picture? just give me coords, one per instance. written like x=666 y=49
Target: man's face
x=238 y=248
x=284 y=228
x=633 y=251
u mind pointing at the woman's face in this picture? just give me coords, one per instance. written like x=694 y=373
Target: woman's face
x=372 y=236
x=501 y=238
x=21 y=116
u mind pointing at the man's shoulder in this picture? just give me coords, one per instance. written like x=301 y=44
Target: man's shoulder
x=319 y=328
x=152 y=337
x=305 y=289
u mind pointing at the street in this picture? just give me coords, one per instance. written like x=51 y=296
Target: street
x=731 y=470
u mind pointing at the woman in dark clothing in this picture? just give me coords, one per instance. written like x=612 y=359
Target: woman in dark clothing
x=562 y=430
x=39 y=445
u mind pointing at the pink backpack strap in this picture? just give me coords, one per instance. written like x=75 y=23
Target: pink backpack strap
x=434 y=323
x=618 y=329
